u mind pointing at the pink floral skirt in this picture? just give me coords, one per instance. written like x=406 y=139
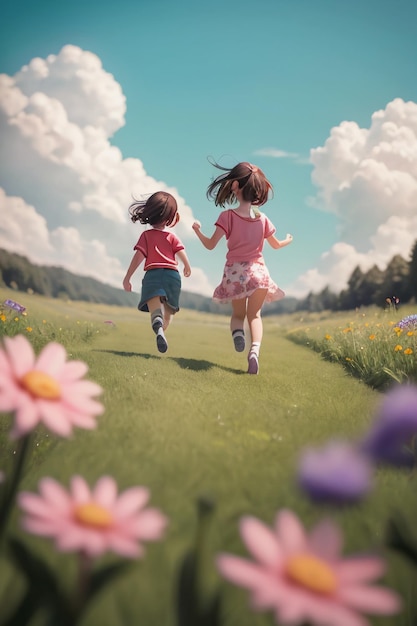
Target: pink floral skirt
x=241 y=280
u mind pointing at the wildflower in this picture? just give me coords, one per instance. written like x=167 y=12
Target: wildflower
x=16 y=319
x=398 y=330
x=29 y=329
x=347 y=330
x=339 y=473
x=303 y=577
x=46 y=389
x=410 y=333
x=328 y=337
x=408 y=322
x=398 y=348
x=408 y=351
x=372 y=337
x=3 y=317
x=394 y=426
x=348 y=359
x=92 y=521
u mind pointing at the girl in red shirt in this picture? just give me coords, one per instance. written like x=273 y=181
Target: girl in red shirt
x=161 y=284
x=246 y=281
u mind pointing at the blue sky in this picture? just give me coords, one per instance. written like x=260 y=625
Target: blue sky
x=321 y=94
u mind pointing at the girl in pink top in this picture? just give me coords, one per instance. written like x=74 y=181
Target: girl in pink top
x=246 y=281
x=161 y=284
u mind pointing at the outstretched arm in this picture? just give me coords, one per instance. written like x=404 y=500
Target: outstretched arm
x=134 y=264
x=208 y=242
x=184 y=259
x=276 y=243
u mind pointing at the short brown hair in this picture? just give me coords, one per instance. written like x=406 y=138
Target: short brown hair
x=252 y=181
x=159 y=208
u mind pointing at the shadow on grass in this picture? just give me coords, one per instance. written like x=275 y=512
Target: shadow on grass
x=198 y=365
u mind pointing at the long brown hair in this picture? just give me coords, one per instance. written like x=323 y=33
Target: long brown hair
x=159 y=208
x=252 y=181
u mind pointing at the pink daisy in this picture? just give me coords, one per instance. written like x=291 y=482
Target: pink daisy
x=303 y=577
x=46 y=389
x=92 y=521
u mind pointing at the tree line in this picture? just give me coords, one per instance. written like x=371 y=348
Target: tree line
x=398 y=281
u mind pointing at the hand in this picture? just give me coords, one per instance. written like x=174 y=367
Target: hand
x=187 y=272
x=196 y=226
x=289 y=237
x=126 y=285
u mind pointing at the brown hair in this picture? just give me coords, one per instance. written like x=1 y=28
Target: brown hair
x=252 y=181
x=159 y=208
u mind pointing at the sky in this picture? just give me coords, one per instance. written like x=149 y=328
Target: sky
x=102 y=102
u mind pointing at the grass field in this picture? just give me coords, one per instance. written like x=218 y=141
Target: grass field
x=192 y=423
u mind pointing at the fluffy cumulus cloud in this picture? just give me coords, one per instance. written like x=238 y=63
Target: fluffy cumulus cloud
x=368 y=178
x=60 y=174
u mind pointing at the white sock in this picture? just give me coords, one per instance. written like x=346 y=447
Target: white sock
x=255 y=347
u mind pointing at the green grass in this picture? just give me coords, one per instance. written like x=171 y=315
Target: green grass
x=192 y=423
x=369 y=344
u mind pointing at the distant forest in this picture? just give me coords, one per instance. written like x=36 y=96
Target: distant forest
x=397 y=281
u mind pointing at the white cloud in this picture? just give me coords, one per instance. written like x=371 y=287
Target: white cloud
x=368 y=178
x=275 y=153
x=60 y=171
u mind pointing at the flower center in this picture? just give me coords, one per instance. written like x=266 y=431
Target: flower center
x=41 y=385
x=310 y=572
x=91 y=514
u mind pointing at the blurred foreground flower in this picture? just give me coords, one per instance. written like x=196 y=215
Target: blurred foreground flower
x=45 y=389
x=339 y=473
x=394 y=427
x=95 y=521
x=303 y=578
x=408 y=323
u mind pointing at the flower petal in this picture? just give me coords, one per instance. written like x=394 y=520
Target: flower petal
x=360 y=569
x=130 y=501
x=20 y=354
x=105 y=492
x=326 y=540
x=261 y=542
x=242 y=572
x=73 y=370
x=371 y=599
x=290 y=532
x=54 y=418
x=51 y=359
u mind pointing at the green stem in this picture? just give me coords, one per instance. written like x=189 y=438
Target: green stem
x=12 y=485
x=84 y=582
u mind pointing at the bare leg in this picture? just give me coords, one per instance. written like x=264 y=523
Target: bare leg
x=237 y=320
x=157 y=320
x=255 y=302
x=237 y=323
x=168 y=313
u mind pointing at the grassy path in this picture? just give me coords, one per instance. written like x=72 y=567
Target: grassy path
x=192 y=423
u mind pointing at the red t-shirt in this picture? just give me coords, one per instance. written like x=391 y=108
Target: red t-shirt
x=245 y=235
x=159 y=248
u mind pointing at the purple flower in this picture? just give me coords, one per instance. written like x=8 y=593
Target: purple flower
x=394 y=428
x=408 y=323
x=338 y=473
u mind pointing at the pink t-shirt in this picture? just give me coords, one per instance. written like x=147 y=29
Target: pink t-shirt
x=159 y=248
x=245 y=235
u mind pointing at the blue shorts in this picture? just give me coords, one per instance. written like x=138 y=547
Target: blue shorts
x=165 y=283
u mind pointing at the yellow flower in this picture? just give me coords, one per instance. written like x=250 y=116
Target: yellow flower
x=348 y=359
x=43 y=321
x=29 y=329
x=410 y=333
x=372 y=337
x=16 y=319
x=347 y=330
x=408 y=351
x=398 y=330
x=398 y=348
x=3 y=317
x=327 y=337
